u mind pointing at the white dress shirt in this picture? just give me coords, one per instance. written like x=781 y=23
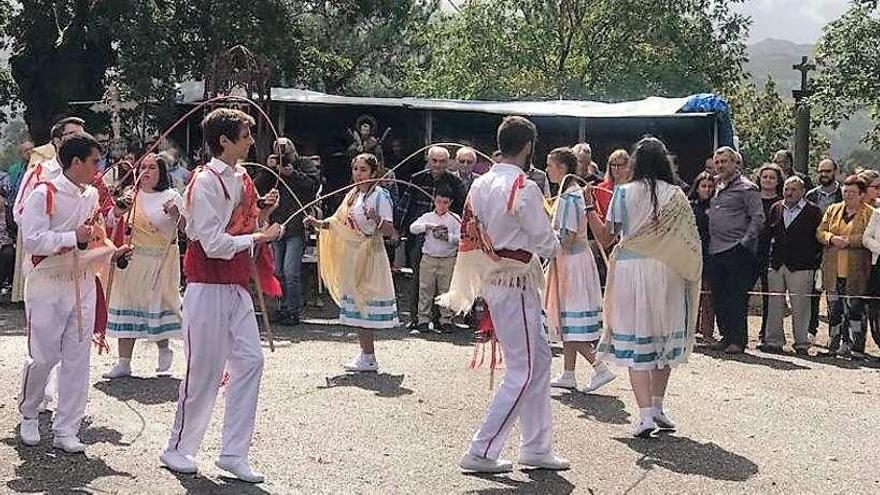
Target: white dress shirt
x=49 y=170
x=527 y=226
x=433 y=245
x=209 y=211
x=46 y=235
x=789 y=214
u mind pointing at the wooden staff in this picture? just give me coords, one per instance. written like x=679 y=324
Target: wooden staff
x=77 y=294
x=261 y=299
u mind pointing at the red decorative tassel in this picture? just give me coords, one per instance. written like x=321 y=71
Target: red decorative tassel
x=225 y=380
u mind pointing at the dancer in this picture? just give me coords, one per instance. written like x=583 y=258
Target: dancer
x=145 y=298
x=354 y=265
x=654 y=276
x=505 y=230
x=61 y=293
x=222 y=217
x=572 y=294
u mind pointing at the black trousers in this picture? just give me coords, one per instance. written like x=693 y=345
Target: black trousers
x=7 y=264
x=413 y=247
x=734 y=273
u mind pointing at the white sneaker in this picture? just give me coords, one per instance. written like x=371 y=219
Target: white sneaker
x=166 y=357
x=663 y=422
x=70 y=444
x=363 y=362
x=644 y=428
x=178 y=462
x=845 y=350
x=240 y=468
x=565 y=380
x=599 y=380
x=29 y=430
x=476 y=464
x=545 y=461
x=118 y=371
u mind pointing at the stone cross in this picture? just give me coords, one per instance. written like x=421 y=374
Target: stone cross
x=804 y=68
x=112 y=104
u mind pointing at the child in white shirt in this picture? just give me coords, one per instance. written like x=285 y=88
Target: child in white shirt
x=442 y=232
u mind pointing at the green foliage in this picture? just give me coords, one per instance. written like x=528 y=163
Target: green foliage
x=145 y=46
x=597 y=49
x=765 y=123
x=848 y=57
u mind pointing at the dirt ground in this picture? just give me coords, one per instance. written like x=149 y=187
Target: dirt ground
x=756 y=423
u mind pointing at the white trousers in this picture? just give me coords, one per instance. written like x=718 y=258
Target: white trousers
x=219 y=332
x=524 y=393
x=53 y=338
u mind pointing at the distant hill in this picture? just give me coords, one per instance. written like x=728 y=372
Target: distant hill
x=775 y=57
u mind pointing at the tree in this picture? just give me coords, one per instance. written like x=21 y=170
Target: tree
x=765 y=123
x=595 y=49
x=60 y=55
x=69 y=50
x=848 y=56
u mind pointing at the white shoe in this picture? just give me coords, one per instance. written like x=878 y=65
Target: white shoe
x=166 y=357
x=362 y=363
x=663 y=422
x=118 y=371
x=599 y=380
x=476 y=464
x=565 y=380
x=845 y=350
x=544 y=461
x=644 y=428
x=29 y=430
x=240 y=468
x=70 y=444
x=178 y=462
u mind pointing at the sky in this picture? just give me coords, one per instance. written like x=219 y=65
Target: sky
x=800 y=21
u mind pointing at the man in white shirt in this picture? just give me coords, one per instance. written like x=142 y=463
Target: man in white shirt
x=507 y=209
x=61 y=291
x=442 y=230
x=218 y=312
x=46 y=170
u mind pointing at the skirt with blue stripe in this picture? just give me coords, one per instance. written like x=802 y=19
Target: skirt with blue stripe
x=645 y=326
x=377 y=314
x=580 y=315
x=138 y=324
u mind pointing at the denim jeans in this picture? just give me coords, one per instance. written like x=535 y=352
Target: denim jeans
x=288 y=269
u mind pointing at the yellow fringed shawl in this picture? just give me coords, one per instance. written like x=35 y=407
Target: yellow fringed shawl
x=352 y=263
x=674 y=240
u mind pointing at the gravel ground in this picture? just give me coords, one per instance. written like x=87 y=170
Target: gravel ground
x=757 y=423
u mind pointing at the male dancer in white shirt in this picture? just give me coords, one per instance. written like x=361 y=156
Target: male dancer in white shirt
x=219 y=325
x=61 y=293
x=514 y=230
x=43 y=171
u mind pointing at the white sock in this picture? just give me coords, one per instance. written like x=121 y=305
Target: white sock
x=657 y=402
x=124 y=362
x=567 y=374
x=646 y=413
x=600 y=366
x=370 y=357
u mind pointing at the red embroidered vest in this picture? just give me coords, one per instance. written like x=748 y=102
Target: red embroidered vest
x=199 y=268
